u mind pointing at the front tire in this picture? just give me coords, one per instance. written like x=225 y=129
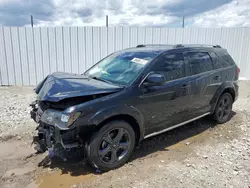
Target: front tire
x=223 y=108
x=111 y=146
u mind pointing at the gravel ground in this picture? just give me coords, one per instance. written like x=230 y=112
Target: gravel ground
x=14 y=107
x=200 y=154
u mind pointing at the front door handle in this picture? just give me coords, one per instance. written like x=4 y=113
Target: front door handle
x=185 y=85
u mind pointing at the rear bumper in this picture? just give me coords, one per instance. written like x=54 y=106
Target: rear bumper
x=236 y=86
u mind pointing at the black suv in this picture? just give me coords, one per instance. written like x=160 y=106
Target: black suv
x=131 y=95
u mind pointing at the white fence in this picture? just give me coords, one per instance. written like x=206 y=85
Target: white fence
x=27 y=55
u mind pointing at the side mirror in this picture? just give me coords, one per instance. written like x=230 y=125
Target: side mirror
x=154 y=80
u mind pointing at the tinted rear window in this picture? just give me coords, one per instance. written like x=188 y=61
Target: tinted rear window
x=222 y=59
x=198 y=62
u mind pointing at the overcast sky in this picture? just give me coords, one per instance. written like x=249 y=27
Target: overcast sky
x=142 y=13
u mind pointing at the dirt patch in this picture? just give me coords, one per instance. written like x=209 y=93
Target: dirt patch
x=200 y=154
x=59 y=179
x=17 y=172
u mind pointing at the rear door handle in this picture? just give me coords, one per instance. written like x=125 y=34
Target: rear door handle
x=216 y=77
x=185 y=89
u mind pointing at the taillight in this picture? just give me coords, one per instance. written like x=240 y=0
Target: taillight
x=238 y=71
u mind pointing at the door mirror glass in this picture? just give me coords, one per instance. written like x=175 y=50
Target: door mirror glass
x=155 y=79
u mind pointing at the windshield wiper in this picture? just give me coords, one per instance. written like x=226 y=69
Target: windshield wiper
x=97 y=78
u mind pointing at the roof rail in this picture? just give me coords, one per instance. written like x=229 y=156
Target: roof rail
x=140 y=46
x=145 y=45
x=217 y=46
x=180 y=45
x=196 y=45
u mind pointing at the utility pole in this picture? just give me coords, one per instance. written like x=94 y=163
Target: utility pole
x=31 y=20
x=107 y=21
x=183 y=21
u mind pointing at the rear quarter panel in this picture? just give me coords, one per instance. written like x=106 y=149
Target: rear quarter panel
x=229 y=80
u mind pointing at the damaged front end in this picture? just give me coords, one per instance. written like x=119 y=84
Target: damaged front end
x=56 y=110
x=58 y=130
x=53 y=132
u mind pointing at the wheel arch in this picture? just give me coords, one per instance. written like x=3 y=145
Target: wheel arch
x=128 y=114
x=128 y=119
x=229 y=90
x=224 y=88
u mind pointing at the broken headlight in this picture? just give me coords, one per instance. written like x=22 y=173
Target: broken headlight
x=59 y=119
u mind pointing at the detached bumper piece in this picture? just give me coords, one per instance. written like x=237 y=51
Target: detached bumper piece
x=33 y=112
x=52 y=139
x=56 y=141
x=36 y=112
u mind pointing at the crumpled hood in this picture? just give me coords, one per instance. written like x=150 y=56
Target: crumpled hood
x=59 y=86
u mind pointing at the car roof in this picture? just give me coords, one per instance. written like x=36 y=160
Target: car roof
x=160 y=48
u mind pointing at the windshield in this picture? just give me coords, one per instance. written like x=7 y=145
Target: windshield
x=122 y=67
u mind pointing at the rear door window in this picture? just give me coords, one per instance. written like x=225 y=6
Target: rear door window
x=217 y=62
x=171 y=65
x=198 y=62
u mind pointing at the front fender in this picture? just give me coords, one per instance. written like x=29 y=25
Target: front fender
x=109 y=112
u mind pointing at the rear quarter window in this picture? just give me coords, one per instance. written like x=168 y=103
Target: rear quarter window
x=222 y=59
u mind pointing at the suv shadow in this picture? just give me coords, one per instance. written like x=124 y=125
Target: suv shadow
x=77 y=166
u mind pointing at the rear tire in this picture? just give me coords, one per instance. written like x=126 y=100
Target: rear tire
x=111 y=146
x=223 y=108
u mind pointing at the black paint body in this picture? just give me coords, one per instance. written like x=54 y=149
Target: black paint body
x=149 y=108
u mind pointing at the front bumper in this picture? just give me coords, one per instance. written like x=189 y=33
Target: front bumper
x=50 y=137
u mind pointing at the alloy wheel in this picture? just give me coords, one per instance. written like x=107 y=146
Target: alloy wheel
x=114 y=146
x=224 y=108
